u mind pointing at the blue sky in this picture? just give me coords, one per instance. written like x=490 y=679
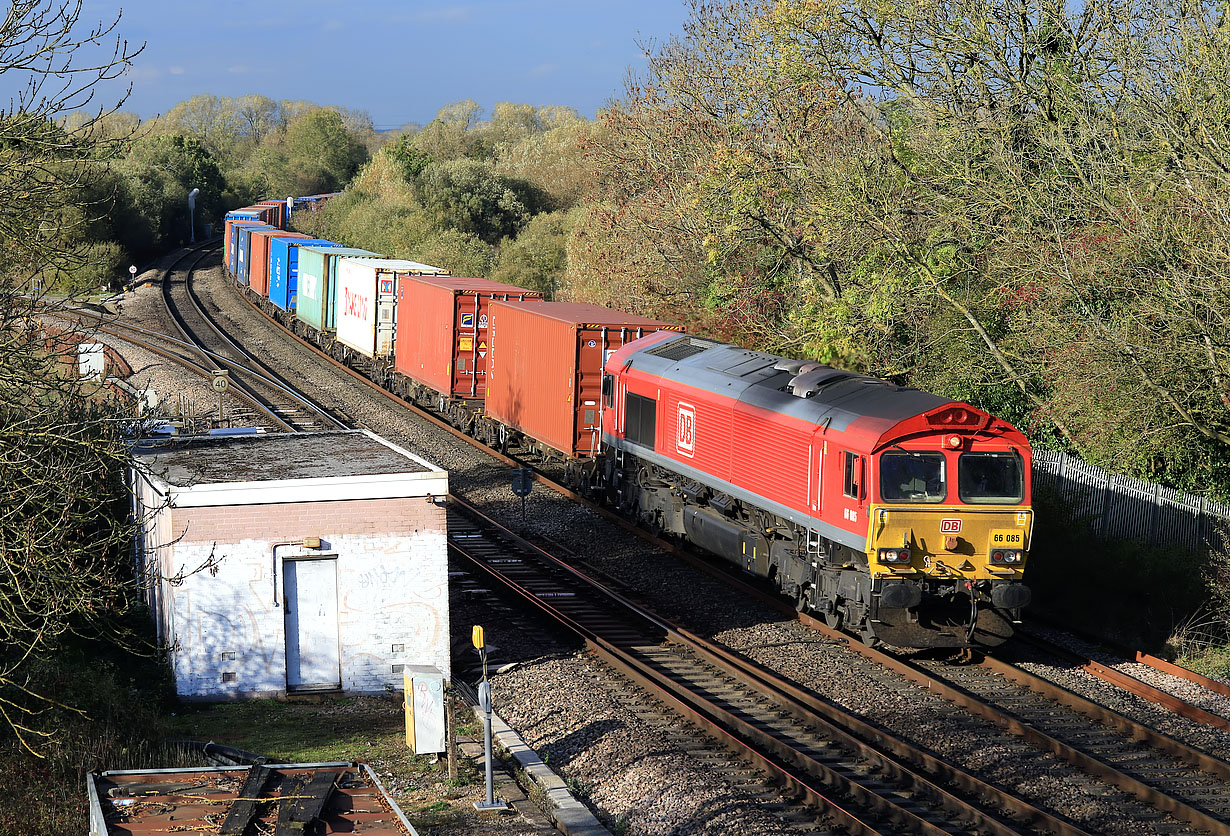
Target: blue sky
x=400 y=61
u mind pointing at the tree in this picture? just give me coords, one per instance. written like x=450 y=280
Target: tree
x=450 y=135
x=62 y=539
x=538 y=256
x=42 y=164
x=158 y=174
x=216 y=123
x=995 y=201
x=467 y=195
x=316 y=154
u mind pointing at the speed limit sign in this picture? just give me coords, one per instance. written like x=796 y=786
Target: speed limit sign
x=221 y=381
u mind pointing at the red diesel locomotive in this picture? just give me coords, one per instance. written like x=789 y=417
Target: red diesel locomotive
x=901 y=515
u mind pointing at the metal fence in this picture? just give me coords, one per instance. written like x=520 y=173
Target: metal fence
x=1124 y=507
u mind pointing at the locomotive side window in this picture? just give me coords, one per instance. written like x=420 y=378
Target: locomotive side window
x=608 y=391
x=854 y=474
x=991 y=478
x=640 y=413
x=912 y=477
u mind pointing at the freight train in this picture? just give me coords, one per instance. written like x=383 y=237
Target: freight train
x=898 y=515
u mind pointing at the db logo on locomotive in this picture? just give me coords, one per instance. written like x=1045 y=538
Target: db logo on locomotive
x=685 y=432
x=950 y=526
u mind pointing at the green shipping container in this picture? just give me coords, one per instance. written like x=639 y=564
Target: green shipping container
x=317 y=291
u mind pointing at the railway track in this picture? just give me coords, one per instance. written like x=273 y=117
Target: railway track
x=863 y=779
x=286 y=408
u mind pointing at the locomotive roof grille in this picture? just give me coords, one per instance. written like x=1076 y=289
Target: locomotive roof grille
x=679 y=349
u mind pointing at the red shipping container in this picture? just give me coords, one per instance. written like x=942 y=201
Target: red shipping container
x=442 y=334
x=277 y=212
x=258 y=257
x=544 y=374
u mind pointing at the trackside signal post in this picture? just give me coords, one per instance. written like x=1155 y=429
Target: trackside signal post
x=484 y=705
x=522 y=484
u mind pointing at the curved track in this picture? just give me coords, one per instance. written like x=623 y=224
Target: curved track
x=289 y=410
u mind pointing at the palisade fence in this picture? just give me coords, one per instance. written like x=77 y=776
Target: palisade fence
x=1132 y=509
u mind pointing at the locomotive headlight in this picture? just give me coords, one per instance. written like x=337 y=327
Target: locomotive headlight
x=1006 y=557
x=900 y=555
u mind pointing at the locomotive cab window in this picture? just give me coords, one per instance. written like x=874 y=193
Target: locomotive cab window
x=991 y=478
x=912 y=477
x=640 y=415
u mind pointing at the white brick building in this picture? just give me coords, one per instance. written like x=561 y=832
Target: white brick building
x=279 y=564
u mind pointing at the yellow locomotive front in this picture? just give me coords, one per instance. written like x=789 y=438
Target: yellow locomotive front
x=949 y=534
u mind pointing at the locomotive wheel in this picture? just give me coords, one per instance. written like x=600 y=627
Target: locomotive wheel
x=831 y=619
x=803 y=604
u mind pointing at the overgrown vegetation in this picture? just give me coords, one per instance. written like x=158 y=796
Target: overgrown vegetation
x=494 y=198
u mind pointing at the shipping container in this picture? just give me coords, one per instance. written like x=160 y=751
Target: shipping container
x=243 y=249
x=442 y=330
x=544 y=373
x=284 y=267
x=366 y=300
x=230 y=239
x=258 y=257
x=277 y=212
x=316 y=302
x=238 y=215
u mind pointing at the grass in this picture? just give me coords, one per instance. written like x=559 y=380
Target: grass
x=131 y=717
x=300 y=731
x=1213 y=661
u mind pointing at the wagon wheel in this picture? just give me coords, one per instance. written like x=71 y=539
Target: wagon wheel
x=832 y=619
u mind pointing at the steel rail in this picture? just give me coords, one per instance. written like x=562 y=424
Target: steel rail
x=1141 y=657
x=119 y=330
x=258 y=368
x=181 y=325
x=1128 y=683
x=894 y=759
x=1093 y=766
x=247 y=365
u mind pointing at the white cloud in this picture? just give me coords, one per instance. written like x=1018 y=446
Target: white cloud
x=237 y=69
x=175 y=70
x=542 y=71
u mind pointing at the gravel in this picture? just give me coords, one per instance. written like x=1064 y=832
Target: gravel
x=641 y=769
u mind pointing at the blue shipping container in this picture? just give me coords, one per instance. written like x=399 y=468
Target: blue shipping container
x=284 y=268
x=232 y=247
x=243 y=244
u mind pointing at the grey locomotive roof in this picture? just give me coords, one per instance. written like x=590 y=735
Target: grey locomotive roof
x=184 y=461
x=750 y=377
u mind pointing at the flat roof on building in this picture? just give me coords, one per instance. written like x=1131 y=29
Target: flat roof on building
x=198 y=460
x=249 y=468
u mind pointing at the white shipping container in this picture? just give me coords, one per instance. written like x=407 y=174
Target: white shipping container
x=366 y=302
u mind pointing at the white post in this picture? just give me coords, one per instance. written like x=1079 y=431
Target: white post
x=191 y=209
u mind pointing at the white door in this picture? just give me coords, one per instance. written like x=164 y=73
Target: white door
x=310 y=604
